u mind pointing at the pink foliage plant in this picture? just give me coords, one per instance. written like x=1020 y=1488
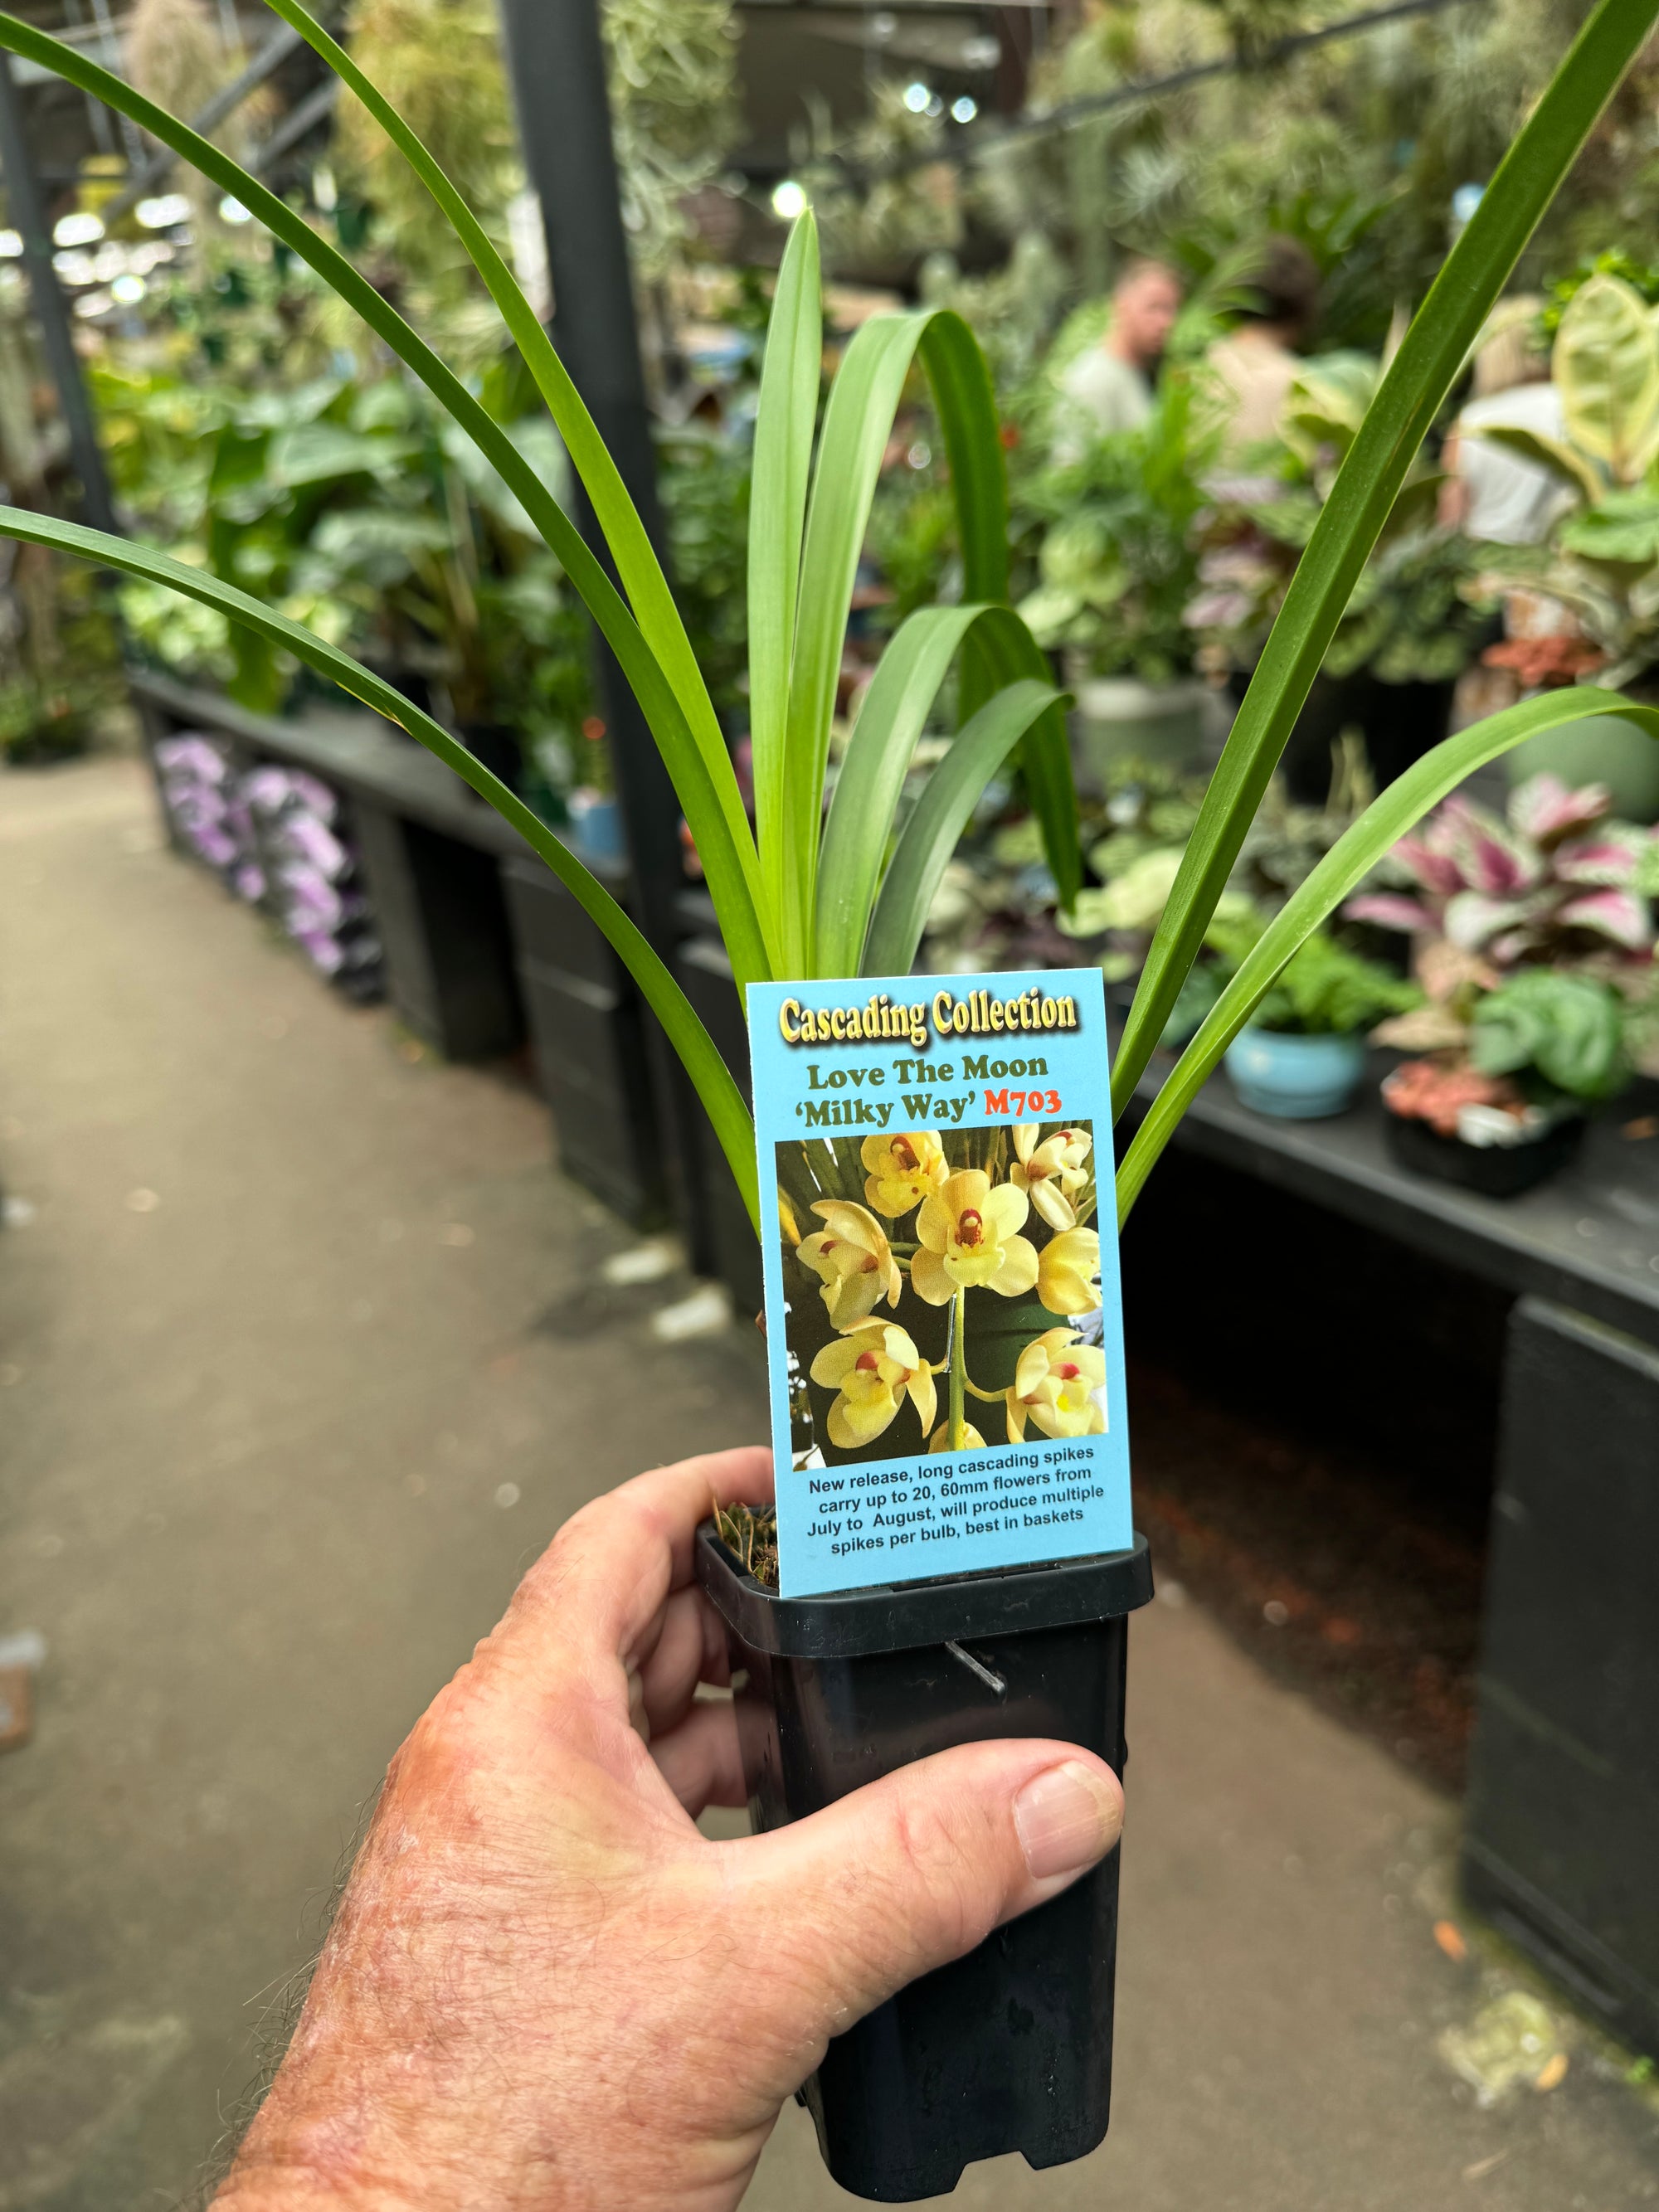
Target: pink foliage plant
x=1558 y=883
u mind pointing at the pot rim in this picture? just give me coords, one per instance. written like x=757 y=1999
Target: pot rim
x=1577 y=1118
x=1347 y=1038
x=904 y=1616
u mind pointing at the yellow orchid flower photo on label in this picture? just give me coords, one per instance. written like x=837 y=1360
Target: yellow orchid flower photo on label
x=942 y=1312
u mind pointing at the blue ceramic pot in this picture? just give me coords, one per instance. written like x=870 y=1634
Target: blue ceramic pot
x=598 y=823
x=1298 y=1079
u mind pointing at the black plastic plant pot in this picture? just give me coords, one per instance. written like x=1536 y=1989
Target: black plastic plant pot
x=1010 y=2049
x=1493 y=1171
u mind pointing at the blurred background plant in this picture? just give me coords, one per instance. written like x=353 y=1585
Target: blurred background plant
x=674 y=118
x=1113 y=538
x=178 y=55
x=882 y=203
x=1602 y=562
x=1325 y=988
x=1409 y=616
x=705 y=474
x=356 y=509
x=1558 y=883
x=1503 y=915
x=60 y=671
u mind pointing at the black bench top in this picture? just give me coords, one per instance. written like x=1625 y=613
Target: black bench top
x=1588 y=1238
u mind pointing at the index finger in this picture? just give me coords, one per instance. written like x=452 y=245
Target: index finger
x=603 y=1578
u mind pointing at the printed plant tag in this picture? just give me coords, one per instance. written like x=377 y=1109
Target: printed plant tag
x=943 y=1326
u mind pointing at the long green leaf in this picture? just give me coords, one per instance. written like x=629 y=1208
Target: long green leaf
x=966 y=405
x=1010 y=654
x=872 y=771
x=784 y=423
x=858 y=421
x=721 y=1099
x=641 y=573
x=903 y=691
x=1370 y=477
x=1353 y=856
x=728 y=856
x=965 y=402
x=941 y=814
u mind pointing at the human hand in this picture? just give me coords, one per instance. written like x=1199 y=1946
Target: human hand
x=545 y=1987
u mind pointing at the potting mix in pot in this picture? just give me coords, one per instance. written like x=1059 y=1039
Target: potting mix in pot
x=942 y=1301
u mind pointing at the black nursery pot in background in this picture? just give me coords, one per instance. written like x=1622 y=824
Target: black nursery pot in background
x=1010 y=2049
x=1494 y=1170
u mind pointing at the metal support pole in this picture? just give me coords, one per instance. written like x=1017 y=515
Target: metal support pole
x=27 y=218
x=556 y=59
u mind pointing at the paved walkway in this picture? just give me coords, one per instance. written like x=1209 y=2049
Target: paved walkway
x=304 y=1350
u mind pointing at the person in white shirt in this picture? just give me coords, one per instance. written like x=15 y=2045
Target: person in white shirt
x=1109 y=387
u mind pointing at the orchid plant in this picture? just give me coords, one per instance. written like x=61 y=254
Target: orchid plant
x=801 y=896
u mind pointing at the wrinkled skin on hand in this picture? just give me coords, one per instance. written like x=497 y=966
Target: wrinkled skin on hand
x=545 y=1987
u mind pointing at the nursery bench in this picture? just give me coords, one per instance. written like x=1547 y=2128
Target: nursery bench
x=1563 y=1786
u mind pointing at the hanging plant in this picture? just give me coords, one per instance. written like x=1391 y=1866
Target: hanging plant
x=438 y=63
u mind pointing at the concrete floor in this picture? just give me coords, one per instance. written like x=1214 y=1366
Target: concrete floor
x=302 y=1358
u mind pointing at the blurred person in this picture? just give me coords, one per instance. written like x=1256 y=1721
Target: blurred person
x=1109 y=386
x=1491 y=493
x=1254 y=367
x=545 y=1987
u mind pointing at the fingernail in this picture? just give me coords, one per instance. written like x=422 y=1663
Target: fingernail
x=1066 y=1820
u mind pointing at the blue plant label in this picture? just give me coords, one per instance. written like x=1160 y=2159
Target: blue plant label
x=943 y=1325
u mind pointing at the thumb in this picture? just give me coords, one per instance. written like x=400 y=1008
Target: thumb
x=912 y=1871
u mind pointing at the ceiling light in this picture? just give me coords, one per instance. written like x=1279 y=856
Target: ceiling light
x=11 y=244
x=788 y=200
x=232 y=210
x=128 y=290
x=916 y=97
x=964 y=109
x=77 y=230
x=162 y=214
